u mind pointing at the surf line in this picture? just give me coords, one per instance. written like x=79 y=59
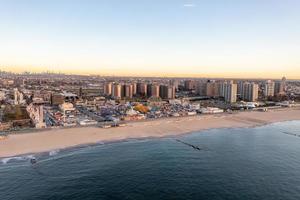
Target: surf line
x=190 y=145
x=289 y=133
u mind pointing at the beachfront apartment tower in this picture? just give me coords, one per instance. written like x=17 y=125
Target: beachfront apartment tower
x=249 y=91
x=240 y=88
x=228 y=90
x=201 y=88
x=167 y=91
x=280 y=87
x=269 y=88
x=212 y=89
x=209 y=88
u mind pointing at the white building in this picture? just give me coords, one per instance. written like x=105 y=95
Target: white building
x=269 y=88
x=18 y=97
x=36 y=114
x=211 y=110
x=228 y=90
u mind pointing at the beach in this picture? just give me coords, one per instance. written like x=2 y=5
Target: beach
x=44 y=141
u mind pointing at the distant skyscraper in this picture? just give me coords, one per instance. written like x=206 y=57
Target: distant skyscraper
x=269 y=88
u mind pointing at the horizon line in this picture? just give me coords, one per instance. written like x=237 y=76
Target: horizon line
x=136 y=76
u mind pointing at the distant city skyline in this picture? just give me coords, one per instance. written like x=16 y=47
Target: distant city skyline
x=176 y=76
x=177 y=38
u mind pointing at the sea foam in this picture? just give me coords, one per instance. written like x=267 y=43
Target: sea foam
x=53 y=153
x=17 y=158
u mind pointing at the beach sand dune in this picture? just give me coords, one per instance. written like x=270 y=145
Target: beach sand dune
x=17 y=144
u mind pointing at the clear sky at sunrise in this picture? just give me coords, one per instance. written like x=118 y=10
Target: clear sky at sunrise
x=214 y=38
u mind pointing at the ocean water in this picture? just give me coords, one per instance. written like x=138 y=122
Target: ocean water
x=236 y=164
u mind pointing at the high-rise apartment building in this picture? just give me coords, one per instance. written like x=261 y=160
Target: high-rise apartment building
x=189 y=85
x=141 y=89
x=269 y=88
x=228 y=90
x=149 y=90
x=209 y=88
x=240 y=88
x=154 y=90
x=128 y=90
x=134 y=89
x=280 y=87
x=283 y=82
x=201 y=88
x=117 y=91
x=167 y=91
x=108 y=89
x=175 y=83
x=212 y=89
x=171 y=92
x=249 y=92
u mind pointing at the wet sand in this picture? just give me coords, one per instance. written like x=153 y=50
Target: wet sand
x=18 y=144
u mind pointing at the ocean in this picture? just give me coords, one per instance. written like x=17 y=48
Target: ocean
x=217 y=164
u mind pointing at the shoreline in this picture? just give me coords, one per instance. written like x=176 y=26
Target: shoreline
x=54 y=139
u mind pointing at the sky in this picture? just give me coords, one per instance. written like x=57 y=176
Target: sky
x=198 y=38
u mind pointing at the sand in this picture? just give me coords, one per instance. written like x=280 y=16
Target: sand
x=26 y=143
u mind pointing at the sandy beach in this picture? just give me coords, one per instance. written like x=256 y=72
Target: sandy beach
x=18 y=144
